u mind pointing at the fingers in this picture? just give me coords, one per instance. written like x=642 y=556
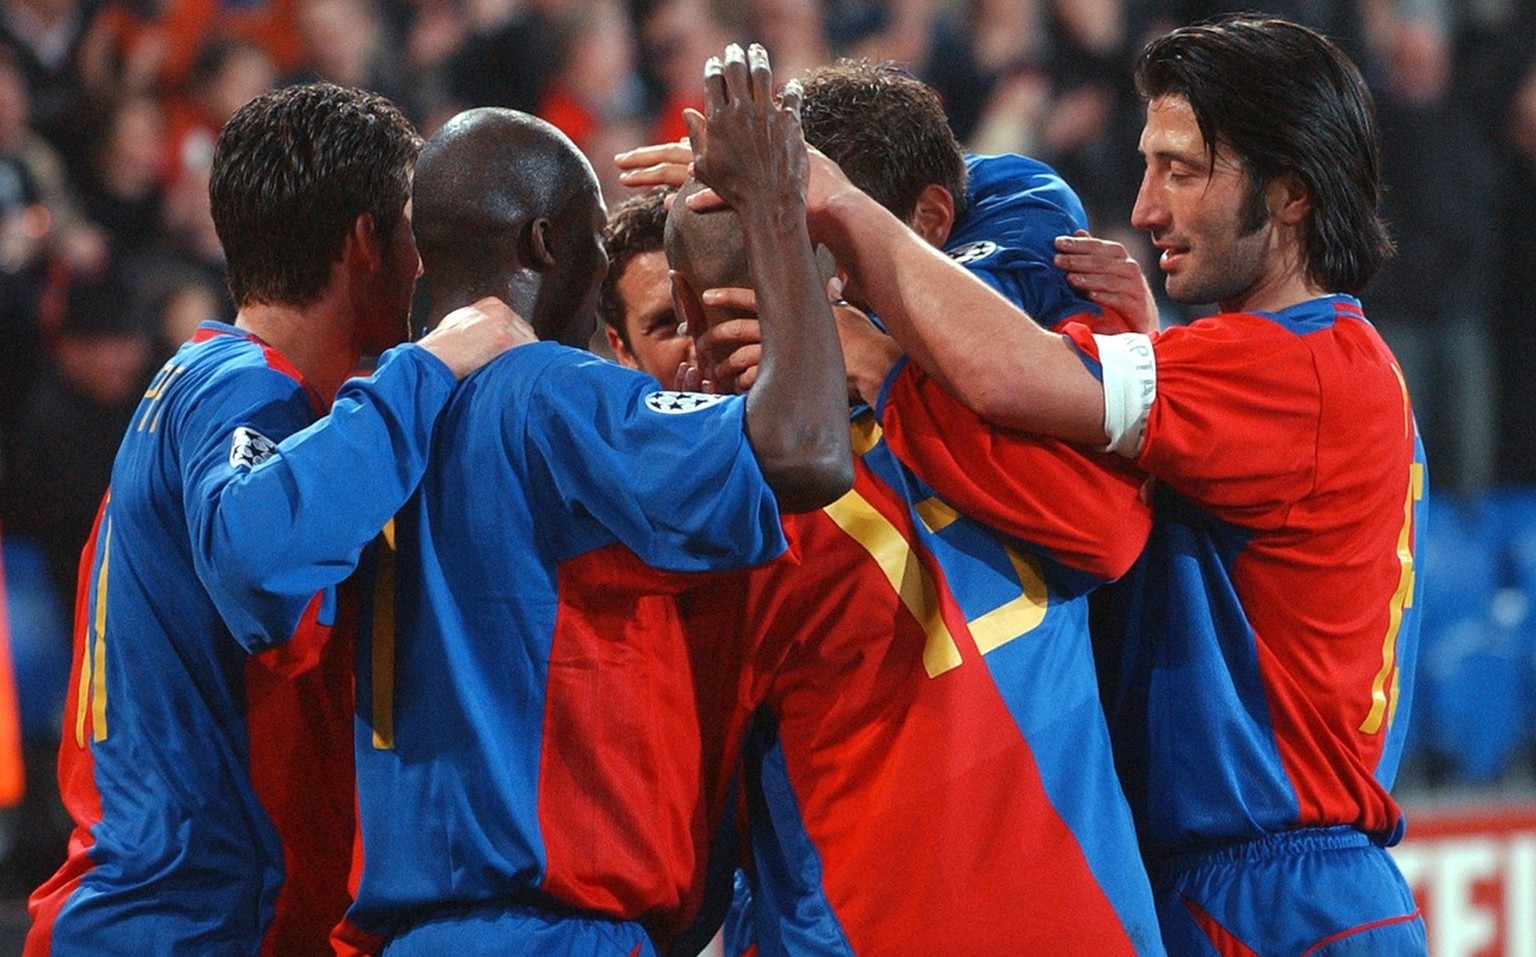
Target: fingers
x=734 y=298
x=738 y=83
x=656 y=154
x=660 y=164
x=761 y=74
x=792 y=97
x=698 y=129
x=714 y=94
x=738 y=366
x=705 y=200
x=671 y=175
x=1081 y=242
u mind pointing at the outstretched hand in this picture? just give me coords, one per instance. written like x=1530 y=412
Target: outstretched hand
x=1106 y=274
x=747 y=146
x=470 y=336
x=661 y=164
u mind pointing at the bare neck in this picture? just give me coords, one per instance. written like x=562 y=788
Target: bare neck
x=317 y=338
x=445 y=292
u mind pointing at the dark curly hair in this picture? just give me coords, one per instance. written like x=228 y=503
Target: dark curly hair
x=292 y=171
x=886 y=130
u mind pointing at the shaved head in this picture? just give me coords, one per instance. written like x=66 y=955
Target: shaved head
x=706 y=248
x=505 y=205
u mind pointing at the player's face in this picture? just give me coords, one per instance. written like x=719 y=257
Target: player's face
x=386 y=321
x=1197 y=213
x=649 y=320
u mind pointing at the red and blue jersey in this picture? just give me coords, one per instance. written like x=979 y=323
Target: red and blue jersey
x=203 y=760
x=1268 y=637
x=528 y=732
x=931 y=768
x=936 y=776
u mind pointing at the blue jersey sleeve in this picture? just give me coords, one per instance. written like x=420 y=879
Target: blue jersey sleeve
x=1015 y=209
x=670 y=475
x=278 y=505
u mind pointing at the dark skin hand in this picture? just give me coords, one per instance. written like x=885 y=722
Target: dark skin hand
x=732 y=348
x=749 y=149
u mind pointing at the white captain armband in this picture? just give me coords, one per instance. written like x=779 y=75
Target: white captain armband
x=1130 y=385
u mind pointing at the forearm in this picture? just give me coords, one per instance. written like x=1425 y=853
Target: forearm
x=980 y=347
x=267 y=538
x=796 y=415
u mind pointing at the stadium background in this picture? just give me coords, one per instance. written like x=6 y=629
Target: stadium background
x=108 y=110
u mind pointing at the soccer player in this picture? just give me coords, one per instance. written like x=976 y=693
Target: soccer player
x=930 y=748
x=1268 y=637
x=206 y=738
x=529 y=756
x=635 y=298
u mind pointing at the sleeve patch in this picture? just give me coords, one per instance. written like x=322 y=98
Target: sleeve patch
x=250 y=448
x=972 y=252
x=680 y=403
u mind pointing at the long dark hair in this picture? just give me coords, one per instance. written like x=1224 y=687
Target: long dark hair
x=1285 y=99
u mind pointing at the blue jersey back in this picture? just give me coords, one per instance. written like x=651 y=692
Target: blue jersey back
x=522 y=654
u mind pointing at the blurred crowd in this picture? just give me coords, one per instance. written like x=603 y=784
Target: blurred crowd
x=108 y=258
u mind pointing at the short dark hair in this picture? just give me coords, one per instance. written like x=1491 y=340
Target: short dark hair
x=1285 y=99
x=637 y=226
x=886 y=129
x=292 y=171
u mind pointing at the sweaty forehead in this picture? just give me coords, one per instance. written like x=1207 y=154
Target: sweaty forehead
x=1171 y=128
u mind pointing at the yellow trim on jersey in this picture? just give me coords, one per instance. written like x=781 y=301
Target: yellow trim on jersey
x=936 y=514
x=1018 y=616
x=92 y=693
x=911 y=581
x=383 y=651
x=865 y=433
x=1381 y=708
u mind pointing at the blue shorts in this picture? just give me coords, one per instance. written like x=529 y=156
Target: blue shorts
x=1323 y=892
x=519 y=931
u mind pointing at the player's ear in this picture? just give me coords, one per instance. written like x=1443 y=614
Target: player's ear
x=1288 y=198
x=933 y=215
x=363 y=243
x=619 y=349
x=533 y=247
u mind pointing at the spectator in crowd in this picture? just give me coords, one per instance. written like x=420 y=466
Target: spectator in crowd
x=73 y=422
x=122 y=187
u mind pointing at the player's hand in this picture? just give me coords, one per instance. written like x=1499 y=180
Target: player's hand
x=826 y=184
x=729 y=352
x=662 y=164
x=747 y=146
x=1103 y=272
x=470 y=336
x=868 y=353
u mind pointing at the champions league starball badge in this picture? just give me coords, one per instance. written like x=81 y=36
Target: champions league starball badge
x=250 y=448
x=973 y=252
x=680 y=403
